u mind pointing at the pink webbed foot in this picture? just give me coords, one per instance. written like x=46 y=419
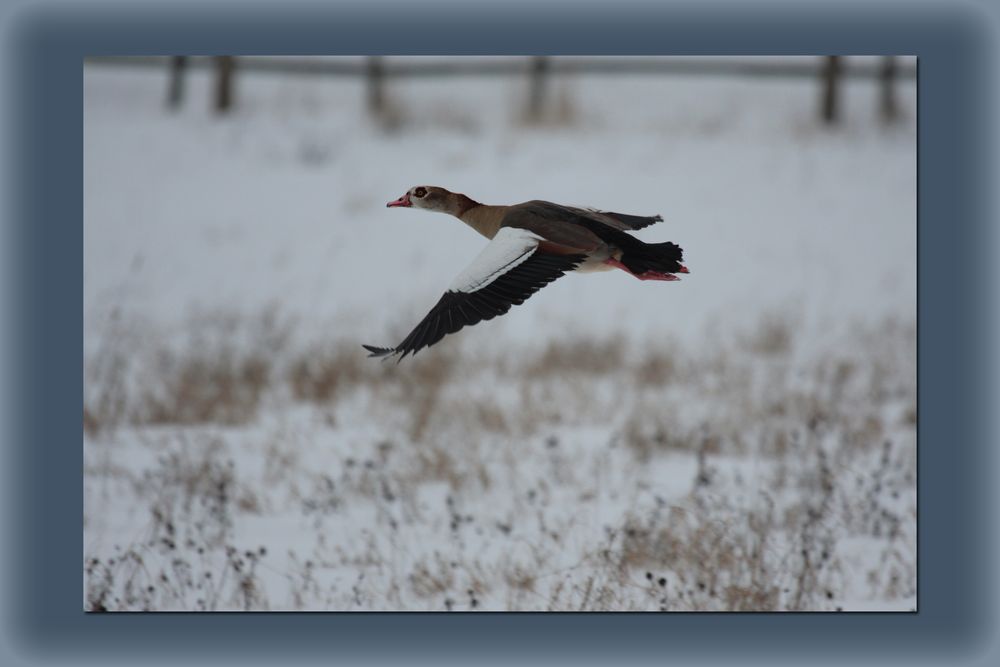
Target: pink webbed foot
x=648 y=275
x=655 y=275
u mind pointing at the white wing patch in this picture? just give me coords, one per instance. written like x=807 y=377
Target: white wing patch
x=509 y=248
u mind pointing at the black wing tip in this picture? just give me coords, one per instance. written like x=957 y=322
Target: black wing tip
x=378 y=351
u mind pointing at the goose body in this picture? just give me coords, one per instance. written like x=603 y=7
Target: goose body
x=531 y=244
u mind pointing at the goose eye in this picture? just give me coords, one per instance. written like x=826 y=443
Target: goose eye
x=419 y=192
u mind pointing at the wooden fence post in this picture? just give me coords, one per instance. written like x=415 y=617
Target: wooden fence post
x=536 y=94
x=376 y=85
x=887 y=81
x=175 y=89
x=224 y=67
x=829 y=110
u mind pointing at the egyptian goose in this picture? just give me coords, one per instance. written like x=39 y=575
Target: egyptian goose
x=531 y=244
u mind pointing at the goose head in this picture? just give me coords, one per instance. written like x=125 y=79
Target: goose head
x=431 y=198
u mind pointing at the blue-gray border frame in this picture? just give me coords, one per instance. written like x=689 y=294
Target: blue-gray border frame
x=43 y=48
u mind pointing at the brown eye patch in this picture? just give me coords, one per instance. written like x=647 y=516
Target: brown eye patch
x=420 y=192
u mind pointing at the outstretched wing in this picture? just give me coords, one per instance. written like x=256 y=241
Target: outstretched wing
x=509 y=270
x=620 y=221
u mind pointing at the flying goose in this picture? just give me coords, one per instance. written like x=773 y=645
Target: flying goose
x=531 y=244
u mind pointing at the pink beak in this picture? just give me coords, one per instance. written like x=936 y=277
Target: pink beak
x=402 y=201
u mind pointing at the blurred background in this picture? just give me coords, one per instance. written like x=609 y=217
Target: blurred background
x=742 y=439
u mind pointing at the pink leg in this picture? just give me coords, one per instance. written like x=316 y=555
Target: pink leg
x=648 y=275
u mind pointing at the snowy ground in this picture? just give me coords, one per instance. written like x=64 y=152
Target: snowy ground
x=743 y=439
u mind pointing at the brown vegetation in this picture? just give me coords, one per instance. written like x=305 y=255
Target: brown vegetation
x=817 y=424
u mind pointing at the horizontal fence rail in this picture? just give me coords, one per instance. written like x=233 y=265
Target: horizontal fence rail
x=473 y=66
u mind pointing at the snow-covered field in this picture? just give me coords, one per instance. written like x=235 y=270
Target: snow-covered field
x=742 y=439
